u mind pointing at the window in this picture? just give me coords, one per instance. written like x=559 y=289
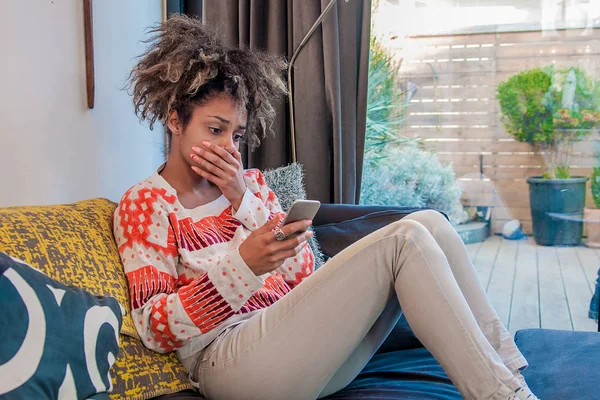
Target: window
x=451 y=57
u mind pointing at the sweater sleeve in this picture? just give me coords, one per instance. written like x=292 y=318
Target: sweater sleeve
x=262 y=206
x=295 y=269
x=259 y=203
x=168 y=309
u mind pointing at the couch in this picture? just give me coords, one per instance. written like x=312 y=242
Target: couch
x=73 y=243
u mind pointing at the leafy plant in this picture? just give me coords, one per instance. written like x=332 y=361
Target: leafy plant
x=411 y=176
x=397 y=170
x=550 y=109
x=386 y=104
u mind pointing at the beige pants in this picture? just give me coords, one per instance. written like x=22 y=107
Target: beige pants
x=315 y=340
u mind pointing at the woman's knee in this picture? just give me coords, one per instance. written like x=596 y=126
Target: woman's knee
x=413 y=228
x=429 y=218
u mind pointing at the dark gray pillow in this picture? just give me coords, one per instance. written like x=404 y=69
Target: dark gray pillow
x=288 y=184
x=335 y=237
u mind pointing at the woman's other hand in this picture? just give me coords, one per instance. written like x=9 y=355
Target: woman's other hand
x=263 y=253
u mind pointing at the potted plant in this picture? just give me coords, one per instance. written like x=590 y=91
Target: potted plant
x=551 y=109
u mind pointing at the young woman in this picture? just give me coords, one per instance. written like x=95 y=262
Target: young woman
x=210 y=277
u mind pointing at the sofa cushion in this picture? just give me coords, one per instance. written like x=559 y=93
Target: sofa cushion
x=140 y=373
x=562 y=364
x=183 y=395
x=335 y=237
x=72 y=243
x=57 y=341
x=406 y=374
x=401 y=337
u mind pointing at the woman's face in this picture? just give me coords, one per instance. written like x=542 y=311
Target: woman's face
x=219 y=121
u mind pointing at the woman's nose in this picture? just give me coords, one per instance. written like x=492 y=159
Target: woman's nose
x=227 y=143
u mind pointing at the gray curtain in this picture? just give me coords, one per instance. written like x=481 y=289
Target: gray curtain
x=330 y=83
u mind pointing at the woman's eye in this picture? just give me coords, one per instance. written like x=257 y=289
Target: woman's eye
x=237 y=138
x=216 y=131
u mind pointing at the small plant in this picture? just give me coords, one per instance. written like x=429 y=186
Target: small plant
x=411 y=176
x=595 y=178
x=550 y=109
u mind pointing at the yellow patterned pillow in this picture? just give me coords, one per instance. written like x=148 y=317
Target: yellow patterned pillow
x=140 y=373
x=72 y=243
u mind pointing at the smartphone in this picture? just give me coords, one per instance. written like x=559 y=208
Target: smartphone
x=301 y=209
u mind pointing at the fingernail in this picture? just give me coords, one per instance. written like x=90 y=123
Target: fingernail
x=196 y=148
x=207 y=144
x=192 y=155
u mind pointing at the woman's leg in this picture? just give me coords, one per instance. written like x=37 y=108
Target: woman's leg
x=366 y=349
x=468 y=281
x=293 y=348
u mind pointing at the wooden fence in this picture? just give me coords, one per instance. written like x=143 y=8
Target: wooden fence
x=455 y=111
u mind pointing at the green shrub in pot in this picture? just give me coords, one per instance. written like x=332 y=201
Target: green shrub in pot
x=551 y=109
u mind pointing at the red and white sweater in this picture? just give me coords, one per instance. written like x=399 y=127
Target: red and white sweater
x=187 y=280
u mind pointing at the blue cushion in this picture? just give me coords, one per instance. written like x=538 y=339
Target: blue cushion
x=57 y=341
x=562 y=364
x=401 y=369
x=406 y=374
x=400 y=338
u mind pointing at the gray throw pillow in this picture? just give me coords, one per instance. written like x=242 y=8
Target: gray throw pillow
x=288 y=184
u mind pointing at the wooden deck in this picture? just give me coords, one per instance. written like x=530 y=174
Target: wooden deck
x=534 y=286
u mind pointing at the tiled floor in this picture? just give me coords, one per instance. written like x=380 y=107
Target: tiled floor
x=536 y=286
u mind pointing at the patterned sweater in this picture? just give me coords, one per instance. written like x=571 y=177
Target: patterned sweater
x=187 y=280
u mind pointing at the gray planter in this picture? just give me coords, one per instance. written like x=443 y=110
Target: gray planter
x=557 y=210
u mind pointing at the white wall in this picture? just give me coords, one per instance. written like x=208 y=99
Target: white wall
x=52 y=148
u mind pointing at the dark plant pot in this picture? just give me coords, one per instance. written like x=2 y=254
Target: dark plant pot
x=557 y=210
